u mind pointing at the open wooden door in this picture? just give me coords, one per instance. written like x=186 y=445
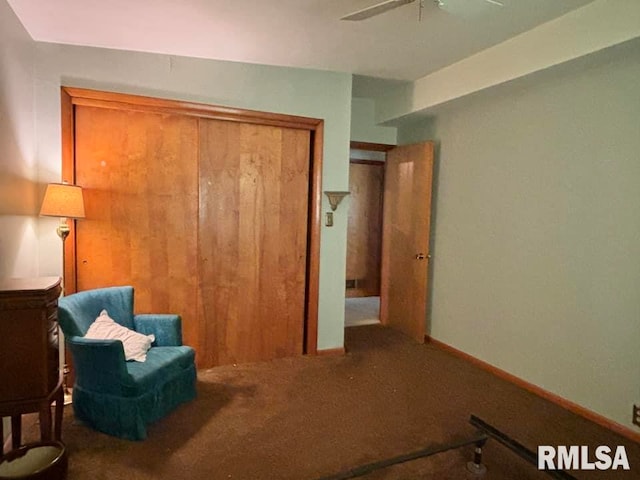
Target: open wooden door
x=405 y=238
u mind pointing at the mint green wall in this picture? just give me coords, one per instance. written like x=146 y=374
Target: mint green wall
x=310 y=93
x=18 y=172
x=363 y=126
x=537 y=229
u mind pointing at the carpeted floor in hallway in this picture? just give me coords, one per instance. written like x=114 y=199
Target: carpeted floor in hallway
x=308 y=417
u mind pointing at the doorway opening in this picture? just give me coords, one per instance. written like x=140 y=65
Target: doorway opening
x=364 y=233
x=402 y=244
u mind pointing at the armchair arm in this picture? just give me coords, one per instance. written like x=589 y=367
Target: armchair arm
x=99 y=364
x=166 y=328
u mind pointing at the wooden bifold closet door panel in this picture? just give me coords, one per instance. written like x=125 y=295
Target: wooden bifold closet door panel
x=205 y=218
x=140 y=179
x=254 y=184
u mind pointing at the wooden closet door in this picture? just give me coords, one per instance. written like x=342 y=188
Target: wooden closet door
x=254 y=189
x=140 y=179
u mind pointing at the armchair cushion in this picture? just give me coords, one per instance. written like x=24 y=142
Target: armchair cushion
x=161 y=362
x=112 y=395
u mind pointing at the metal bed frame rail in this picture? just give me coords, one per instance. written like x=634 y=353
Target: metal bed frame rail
x=479 y=438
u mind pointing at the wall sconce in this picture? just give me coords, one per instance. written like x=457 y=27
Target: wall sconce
x=334 y=200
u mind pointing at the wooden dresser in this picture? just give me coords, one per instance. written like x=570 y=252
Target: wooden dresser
x=30 y=377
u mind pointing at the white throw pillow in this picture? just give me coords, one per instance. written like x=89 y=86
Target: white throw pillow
x=135 y=344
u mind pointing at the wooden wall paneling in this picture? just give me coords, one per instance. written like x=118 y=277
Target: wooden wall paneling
x=254 y=183
x=139 y=173
x=365 y=228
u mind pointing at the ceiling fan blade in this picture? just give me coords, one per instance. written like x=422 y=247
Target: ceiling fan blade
x=376 y=9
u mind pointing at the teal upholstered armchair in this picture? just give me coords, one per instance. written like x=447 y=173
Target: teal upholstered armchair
x=112 y=395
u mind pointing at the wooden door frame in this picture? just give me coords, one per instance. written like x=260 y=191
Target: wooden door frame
x=72 y=97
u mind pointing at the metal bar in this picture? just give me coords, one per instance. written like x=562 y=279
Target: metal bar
x=425 y=452
x=516 y=447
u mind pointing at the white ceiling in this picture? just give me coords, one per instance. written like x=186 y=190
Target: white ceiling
x=297 y=33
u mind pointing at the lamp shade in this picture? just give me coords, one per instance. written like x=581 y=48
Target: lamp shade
x=63 y=200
